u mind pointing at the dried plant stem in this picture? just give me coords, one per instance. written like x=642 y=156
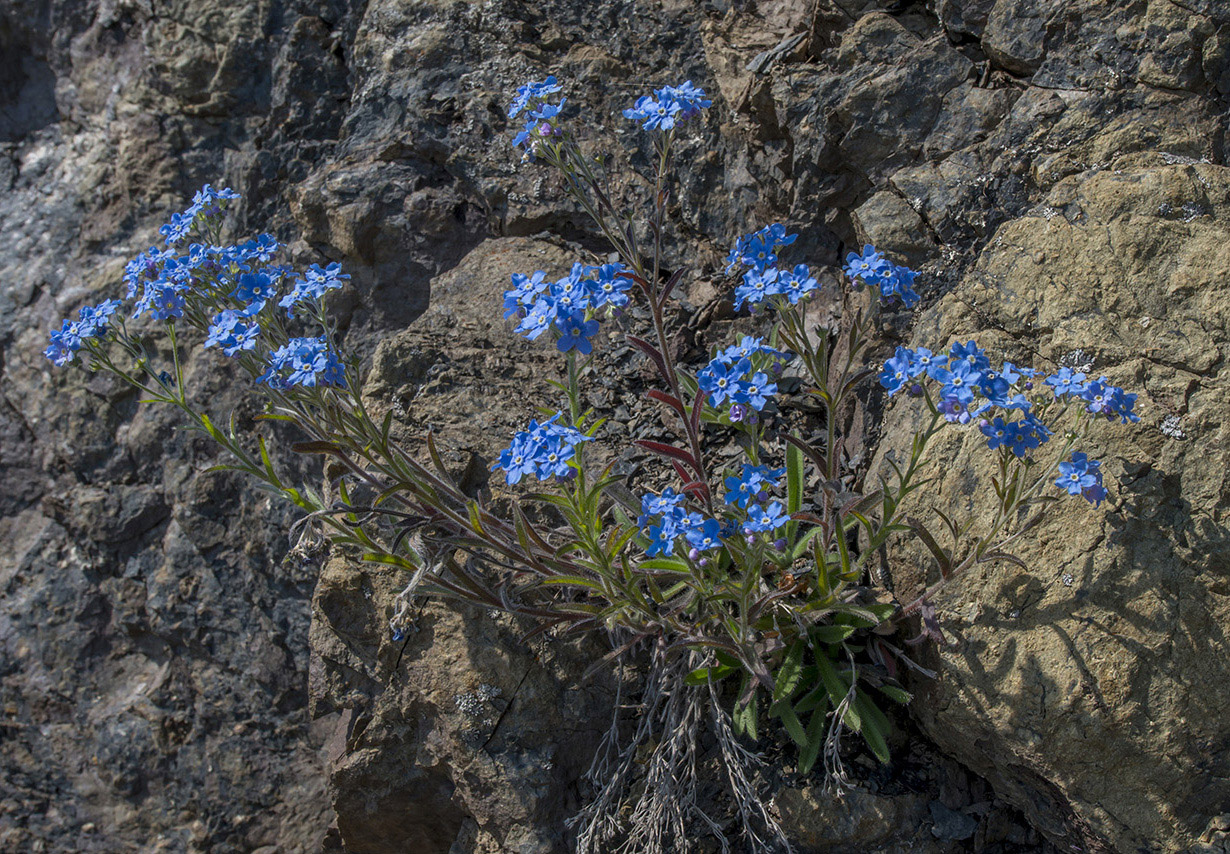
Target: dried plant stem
x=666 y=784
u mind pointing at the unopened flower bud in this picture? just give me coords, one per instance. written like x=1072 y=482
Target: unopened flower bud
x=693 y=554
x=1028 y=385
x=982 y=422
x=703 y=562
x=780 y=544
x=737 y=412
x=916 y=390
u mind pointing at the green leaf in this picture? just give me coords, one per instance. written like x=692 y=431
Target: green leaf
x=787 y=678
x=875 y=726
x=573 y=581
x=794 y=479
x=831 y=634
x=791 y=721
x=818 y=698
x=833 y=682
x=664 y=564
x=896 y=694
x=475 y=523
x=815 y=740
x=745 y=717
x=703 y=675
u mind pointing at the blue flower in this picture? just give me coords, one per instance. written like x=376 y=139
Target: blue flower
x=668 y=503
x=538 y=126
x=162 y=299
x=93 y=320
x=756 y=391
x=531 y=93
x=757 y=285
x=313 y=285
x=704 y=535
x=897 y=283
x=669 y=105
x=610 y=285
x=1065 y=381
x=765 y=519
x=262 y=249
x=1120 y=404
x=254 y=290
x=523 y=293
x=233 y=332
x=997 y=432
x=797 y=284
x=758 y=249
x=868 y=266
x=1027 y=434
x=959 y=380
x=544 y=450
x=721 y=381
x=691 y=99
x=575 y=332
x=753 y=481
x=661 y=539
x=897 y=371
x=178 y=228
x=1080 y=475
x=207 y=198
x=750 y=346
x=306 y=362
x=970 y=352
x=923 y=361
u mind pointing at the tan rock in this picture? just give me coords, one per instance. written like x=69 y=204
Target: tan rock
x=1091 y=688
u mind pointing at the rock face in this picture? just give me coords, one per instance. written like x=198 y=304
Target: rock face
x=1060 y=163
x=1087 y=688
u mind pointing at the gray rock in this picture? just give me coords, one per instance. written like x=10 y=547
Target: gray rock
x=156 y=687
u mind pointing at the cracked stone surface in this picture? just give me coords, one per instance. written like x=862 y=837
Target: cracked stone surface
x=1089 y=687
x=155 y=687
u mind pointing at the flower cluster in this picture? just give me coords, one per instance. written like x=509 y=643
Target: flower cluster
x=750 y=491
x=532 y=98
x=233 y=332
x=758 y=251
x=1082 y=476
x=668 y=106
x=969 y=387
x=894 y=281
x=205 y=204
x=566 y=306
x=225 y=292
x=92 y=322
x=544 y=450
x=1100 y=396
x=312 y=286
x=664 y=519
x=304 y=362
x=736 y=376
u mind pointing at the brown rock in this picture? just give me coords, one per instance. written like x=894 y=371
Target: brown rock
x=1088 y=688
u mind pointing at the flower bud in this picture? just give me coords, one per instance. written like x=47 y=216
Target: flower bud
x=780 y=544
x=916 y=390
x=703 y=562
x=737 y=412
x=693 y=554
